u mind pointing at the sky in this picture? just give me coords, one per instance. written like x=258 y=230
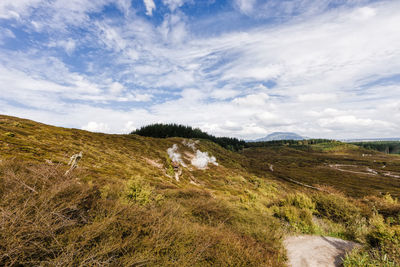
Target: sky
x=240 y=68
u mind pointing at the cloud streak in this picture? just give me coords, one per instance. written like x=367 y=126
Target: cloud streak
x=150 y=6
x=319 y=72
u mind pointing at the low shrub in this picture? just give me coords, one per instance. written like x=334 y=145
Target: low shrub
x=380 y=232
x=336 y=208
x=387 y=206
x=300 y=220
x=138 y=192
x=362 y=258
x=300 y=200
x=297 y=210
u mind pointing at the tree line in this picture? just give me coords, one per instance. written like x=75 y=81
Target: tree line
x=388 y=147
x=160 y=130
x=289 y=142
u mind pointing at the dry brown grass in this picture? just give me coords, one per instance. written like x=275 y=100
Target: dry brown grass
x=47 y=218
x=120 y=209
x=38 y=204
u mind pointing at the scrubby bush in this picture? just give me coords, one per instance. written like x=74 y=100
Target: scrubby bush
x=297 y=210
x=387 y=206
x=138 y=192
x=300 y=220
x=300 y=200
x=380 y=232
x=389 y=199
x=335 y=207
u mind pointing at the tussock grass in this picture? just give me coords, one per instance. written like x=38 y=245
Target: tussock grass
x=49 y=218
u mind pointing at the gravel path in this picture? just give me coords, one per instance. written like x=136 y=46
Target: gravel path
x=316 y=251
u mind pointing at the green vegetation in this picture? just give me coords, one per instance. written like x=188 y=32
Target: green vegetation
x=291 y=143
x=122 y=206
x=388 y=147
x=360 y=258
x=297 y=210
x=160 y=130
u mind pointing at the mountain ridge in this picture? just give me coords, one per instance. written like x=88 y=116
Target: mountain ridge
x=276 y=136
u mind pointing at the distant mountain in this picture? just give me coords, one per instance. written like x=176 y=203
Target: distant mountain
x=279 y=136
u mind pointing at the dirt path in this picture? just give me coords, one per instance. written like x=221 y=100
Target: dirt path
x=316 y=251
x=366 y=171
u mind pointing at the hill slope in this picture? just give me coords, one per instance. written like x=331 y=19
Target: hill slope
x=356 y=171
x=123 y=205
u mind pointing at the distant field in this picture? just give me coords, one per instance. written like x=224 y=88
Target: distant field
x=349 y=168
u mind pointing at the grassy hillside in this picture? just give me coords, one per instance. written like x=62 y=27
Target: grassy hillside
x=123 y=206
x=355 y=171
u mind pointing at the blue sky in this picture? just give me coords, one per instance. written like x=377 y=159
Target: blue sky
x=243 y=68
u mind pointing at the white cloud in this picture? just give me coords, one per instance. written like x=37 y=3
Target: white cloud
x=141 y=97
x=287 y=9
x=129 y=127
x=111 y=38
x=222 y=94
x=319 y=66
x=232 y=126
x=252 y=100
x=116 y=88
x=150 y=6
x=132 y=54
x=245 y=6
x=173 y=29
x=6 y=34
x=68 y=45
x=96 y=127
x=317 y=97
x=10 y=9
x=266 y=116
x=261 y=71
x=124 y=6
x=364 y=13
x=343 y=122
x=174 y=4
x=34 y=81
x=56 y=14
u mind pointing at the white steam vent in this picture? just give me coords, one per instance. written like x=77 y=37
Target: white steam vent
x=174 y=155
x=202 y=159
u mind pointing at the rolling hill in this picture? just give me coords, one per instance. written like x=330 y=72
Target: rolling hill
x=143 y=201
x=279 y=136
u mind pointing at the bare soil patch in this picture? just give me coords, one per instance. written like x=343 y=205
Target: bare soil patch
x=316 y=251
